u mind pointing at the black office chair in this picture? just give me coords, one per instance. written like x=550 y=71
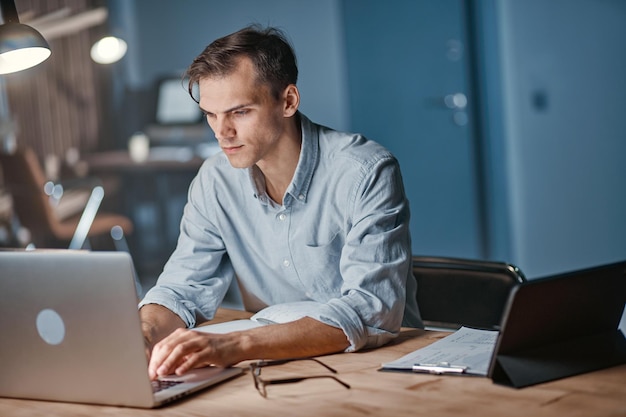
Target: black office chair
x=453 y=292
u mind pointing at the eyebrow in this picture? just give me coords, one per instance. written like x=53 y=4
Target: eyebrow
x=232 y=109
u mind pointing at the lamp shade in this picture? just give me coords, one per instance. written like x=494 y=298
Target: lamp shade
x=21 y=47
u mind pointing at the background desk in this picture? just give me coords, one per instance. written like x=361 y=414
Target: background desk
x=374 y=393
x=152 y=194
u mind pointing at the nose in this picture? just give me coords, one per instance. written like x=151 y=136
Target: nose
x=222 y=127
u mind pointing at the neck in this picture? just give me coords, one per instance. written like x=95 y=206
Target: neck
x=279 y=173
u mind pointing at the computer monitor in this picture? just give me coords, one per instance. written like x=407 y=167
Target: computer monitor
x=174 y=106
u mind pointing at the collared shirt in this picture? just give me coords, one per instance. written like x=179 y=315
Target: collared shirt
x=337 y=250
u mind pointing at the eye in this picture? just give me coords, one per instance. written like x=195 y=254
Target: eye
x=241 y=112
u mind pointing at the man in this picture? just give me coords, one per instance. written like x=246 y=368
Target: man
x=311 y=222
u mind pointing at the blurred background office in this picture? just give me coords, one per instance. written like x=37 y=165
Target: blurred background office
x=507 y=116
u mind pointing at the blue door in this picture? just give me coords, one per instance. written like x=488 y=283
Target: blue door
x=408 y=65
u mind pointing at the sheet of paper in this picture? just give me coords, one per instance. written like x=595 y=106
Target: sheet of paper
x=471 y=348
x=229 y=326
x=279 y=313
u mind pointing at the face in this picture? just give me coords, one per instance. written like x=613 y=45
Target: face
x=248 y=122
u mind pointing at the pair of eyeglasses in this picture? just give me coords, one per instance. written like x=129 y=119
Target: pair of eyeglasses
x=260 y=383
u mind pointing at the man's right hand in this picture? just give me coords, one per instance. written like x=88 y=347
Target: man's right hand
x=157 y=322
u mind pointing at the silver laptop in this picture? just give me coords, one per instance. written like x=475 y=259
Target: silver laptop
x=71 y=332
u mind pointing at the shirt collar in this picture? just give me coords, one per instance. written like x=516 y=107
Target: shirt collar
x=309 y=155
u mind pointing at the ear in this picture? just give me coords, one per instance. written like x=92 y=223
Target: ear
x=291 y=100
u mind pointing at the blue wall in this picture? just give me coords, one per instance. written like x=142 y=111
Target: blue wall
x=563 y=66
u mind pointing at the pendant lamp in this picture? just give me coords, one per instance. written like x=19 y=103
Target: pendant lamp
x=21 y=46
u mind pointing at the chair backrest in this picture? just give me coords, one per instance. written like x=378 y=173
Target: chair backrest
x=24 y=178
x=453 y=292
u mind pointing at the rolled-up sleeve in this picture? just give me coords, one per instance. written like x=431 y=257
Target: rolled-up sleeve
x=375 y=259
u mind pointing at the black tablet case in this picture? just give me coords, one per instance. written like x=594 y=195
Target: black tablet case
x=561 y=326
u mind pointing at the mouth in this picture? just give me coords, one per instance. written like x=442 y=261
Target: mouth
x=231 y=149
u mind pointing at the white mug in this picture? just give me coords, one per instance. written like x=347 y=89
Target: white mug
x=139 y=147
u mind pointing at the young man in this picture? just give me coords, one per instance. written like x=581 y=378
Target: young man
x=311 y=222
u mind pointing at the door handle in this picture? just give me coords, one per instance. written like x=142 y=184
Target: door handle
x=456 y=101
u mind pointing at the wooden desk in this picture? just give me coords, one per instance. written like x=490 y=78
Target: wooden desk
x=120 y=161
x=373 y=393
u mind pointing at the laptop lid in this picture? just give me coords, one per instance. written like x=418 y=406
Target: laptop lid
x=562 y=325
x=71 y=331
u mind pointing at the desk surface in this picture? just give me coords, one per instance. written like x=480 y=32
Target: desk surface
x=374 y=393
x=121 y=162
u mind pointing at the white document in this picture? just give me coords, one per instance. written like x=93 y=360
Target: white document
x=229 y=326
x=279 y=313
x=466 y=351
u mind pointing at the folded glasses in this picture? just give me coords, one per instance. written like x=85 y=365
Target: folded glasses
x=260 y=383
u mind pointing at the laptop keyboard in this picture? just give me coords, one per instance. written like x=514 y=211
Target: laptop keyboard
x=159 y=385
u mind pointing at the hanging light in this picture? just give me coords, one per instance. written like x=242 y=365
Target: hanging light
x=108 y=50
x=21 y=46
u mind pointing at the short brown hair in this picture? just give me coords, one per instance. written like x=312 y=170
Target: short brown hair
x=267 y=48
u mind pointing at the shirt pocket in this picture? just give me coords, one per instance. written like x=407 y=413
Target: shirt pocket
x=318 y=266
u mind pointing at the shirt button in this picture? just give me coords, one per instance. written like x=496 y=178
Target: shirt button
x=282 y=216
x=301 y=197
x=286 y=263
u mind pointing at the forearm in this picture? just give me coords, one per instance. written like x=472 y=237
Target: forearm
x=186 y=349
x=157 y=322
x=302 y=338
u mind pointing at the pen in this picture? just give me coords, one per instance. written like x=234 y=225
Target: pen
x=439 y=368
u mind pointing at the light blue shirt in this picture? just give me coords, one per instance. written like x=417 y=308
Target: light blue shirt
x=337 y=250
